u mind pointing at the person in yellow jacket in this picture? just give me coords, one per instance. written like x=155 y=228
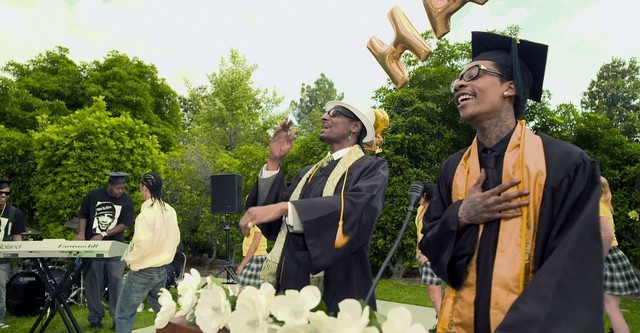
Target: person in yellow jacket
x=155 y=239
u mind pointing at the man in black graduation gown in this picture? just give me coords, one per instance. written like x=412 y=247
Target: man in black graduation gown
x=324 y=219
x=513 y=229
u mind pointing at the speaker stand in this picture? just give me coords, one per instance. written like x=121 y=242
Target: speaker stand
x=228 y=266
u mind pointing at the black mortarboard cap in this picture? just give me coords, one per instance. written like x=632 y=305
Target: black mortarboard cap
x=117 y=178
x=527 y=59
x=4 y=183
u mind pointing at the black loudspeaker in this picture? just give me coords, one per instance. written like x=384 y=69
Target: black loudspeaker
x=226 y=193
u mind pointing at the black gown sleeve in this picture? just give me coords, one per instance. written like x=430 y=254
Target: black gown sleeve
x=448 y=247
x=278 y=192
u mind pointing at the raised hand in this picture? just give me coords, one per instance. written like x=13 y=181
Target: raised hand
x=481 y=207
x=280 y=143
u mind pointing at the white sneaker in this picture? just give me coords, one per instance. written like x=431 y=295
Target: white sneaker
x=140 y=307
x=150 y=310
x=3 y=325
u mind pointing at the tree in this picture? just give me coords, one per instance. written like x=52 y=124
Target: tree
x=559 y=123
x=130 y=86
x=50 y=84
x=17 y=164
x=73 y=154
x=54 y=86
x=51 y=76
x=310 y=107
x=229 y=125
x=615 y=93
x=618 y=159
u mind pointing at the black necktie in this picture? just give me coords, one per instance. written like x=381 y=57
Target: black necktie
x=486 y=248
x=488 y=163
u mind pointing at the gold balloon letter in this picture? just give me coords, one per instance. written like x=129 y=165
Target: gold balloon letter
x=439 y=13
x=406 y=38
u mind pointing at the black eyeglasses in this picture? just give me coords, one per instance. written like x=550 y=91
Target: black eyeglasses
x=7 y=193
x=472 y=73
x=335 y=111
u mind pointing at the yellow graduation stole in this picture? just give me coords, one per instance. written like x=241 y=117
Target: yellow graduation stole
x=513 y=268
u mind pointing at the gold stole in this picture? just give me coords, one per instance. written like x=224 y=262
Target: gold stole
x=273 y=257
x=513 y=268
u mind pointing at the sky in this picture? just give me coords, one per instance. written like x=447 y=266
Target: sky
x=293 y=41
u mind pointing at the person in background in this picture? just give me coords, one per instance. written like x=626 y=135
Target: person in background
x=155 y=239
x=513 y=227
x=254 y=250
x=427 y=276
x=12 y=226
x=619 y=277
x=105 y=214
x=175 y=267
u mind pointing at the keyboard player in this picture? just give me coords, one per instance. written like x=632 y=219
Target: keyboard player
x=105 y=214
x=12 y=226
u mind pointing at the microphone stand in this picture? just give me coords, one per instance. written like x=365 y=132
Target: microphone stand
x=391 y=252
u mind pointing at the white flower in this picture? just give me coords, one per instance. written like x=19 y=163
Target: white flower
x=296 y=329
x=167 y=308
x=294 y=306
x=353 y=318
x=187 y=302
x=190 y=282
x=187 y=292
x=213 y=309
x=399 y=321
x=252 y=310
x=322 y=323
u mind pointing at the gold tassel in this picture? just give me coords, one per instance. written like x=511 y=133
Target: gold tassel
x=341 y=238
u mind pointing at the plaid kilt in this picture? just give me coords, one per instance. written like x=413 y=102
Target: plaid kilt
x=250 y=275
x=619 y=277
x=427 y=276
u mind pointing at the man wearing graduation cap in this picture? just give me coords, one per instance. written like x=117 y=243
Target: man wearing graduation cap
x=513 y=229
x=323 y=220
x=105 y=214
x=11 y=227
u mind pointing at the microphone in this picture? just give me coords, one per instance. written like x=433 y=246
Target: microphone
x=414 y=195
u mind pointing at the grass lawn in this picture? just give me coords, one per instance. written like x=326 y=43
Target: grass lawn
x=23 y=324
x=404 y=291
x=410 y=292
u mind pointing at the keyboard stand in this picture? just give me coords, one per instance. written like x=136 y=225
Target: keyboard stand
x=57 y=302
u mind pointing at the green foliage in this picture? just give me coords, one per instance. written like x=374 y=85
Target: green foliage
x=228 y=132
x=615 y=93
x=609 y=131
x=618 y=158
x=51 y=76
x=130 y=86
x=559 y=123
x=16 y=163
x=54 y=86
x=310 y=107
x=72 y=155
